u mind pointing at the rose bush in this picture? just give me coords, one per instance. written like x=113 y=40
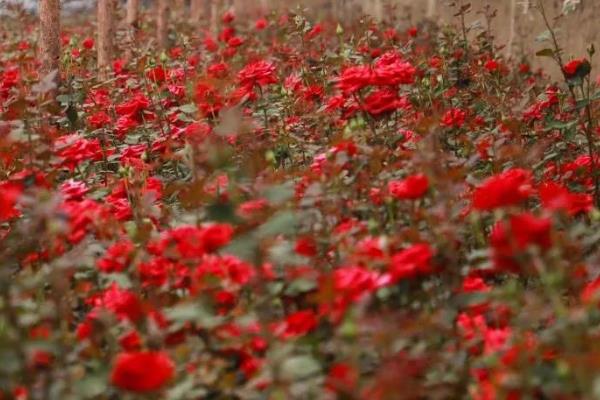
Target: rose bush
x=291 y=210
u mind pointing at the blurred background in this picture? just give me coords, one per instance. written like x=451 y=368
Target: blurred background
x=516 y=24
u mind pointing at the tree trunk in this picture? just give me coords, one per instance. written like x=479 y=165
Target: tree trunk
x=431 y=8
x=214 y=16
x=180 y=10
x=106 y=32
x=162 y=24
x=264 y=7
x=378 y=10
x=133 y=25
x=50 y=37
x=133 y=14
x=512 y=22
x=196 y=11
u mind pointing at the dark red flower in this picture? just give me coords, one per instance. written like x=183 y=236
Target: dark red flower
x=9 y=194
x=299 y=324
x=454 y=118
x=410 y=188
x=385 y=101
x=355 y=78
x=391 y=70
x=556 y=197
x=259 y=73
x=88 y=43
x=411 y=262
x=261 y=24
x=577 y=68
x=511 y=187
x=142 y=371
x=510 y=239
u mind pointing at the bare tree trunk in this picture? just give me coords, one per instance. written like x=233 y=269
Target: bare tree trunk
x=240 y=7
x=133 y=13
x=106 y=33
x=162 y=24
x=378 y=10
x=179 y=10
x=264 y=6
x=431 y=8
x=50 y=37
x=511 y=33
x=196 y=11
x=214 y=16
x=132 y=20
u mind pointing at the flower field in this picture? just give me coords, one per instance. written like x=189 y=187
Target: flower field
x=288 y=209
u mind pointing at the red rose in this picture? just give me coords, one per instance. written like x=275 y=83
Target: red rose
x=142 y=371
x=88 y=43
x=574 y=68
x=261 y=24
x=454 y=117
x=411 y=262
x=259 y=73
x=508 y=188
x=411 y=188
x=491 y=65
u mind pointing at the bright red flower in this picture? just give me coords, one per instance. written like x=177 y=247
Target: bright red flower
x=260 y=24
x=117 y=257
x=341 y=378
x=491 y=65
x=306 y=246
x=142 y=371
x=355 y=78
x=314 y=32
x=299 y=324
x=575 y=67
x=411 y=262
x=454 y=118
x=217 y=70
x=510 y=239
x=411 y=188
x=123 y=303
x=157 y=74
x=88 y=43
x=384 y=101
x=73 y=190
x=99 y=120
x=228 y=17
x=9 y=195
x=556 y=197
x=511 y=187
x=216 y=236
x=155 y=272
x=258 y=73
x=390 y=69
x=591 y=292
x=209 y=101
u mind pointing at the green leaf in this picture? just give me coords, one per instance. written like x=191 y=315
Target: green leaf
x=279 y=194
x=189 y=108
x=244 y=247
x=545 y=53
x=282 y=223
x=193 y=312
x=559 y=125
x=222 y=212
x=91 y=387
x=300 y=367
x=544 y=36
